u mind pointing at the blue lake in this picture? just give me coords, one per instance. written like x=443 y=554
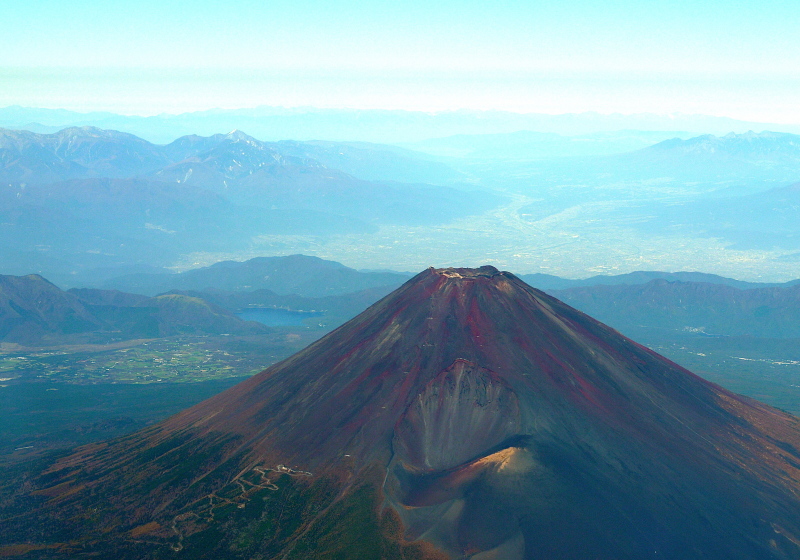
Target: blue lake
x=277 y=317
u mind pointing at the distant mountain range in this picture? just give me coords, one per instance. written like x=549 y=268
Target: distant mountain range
x=84 y=200
x=736 y=188
x=375 y=162
x=691 y=308
x=34 y=312
x=386 y=127
x=313 y=277
x=755 y=160
x=81 y=152
x=85 y=205
x=648 y=304
x=75 y=153
x=683 y=303
x=733 y=154
x=760 y=221
x=526 y=145
x=749 y=146
x=301 y=275
x=549 y=282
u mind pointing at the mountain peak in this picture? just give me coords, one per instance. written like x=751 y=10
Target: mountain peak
x=486 y=271
x=490 y=419
x=239 y=136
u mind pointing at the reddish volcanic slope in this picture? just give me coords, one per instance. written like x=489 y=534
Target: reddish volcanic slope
x=487 y=419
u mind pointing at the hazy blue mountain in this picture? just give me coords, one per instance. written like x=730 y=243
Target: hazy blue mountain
x=114 y=221
x=750 y=146
x=17 y=115
x=550 y=282
x=762 y=221
x=67 y=230
x=381 y=126
x=284 y=176
x=698 y=308
x=651 y=299
x=27 y=156
x=375 y=162
x=110 y=298
x=31 y=308
x=295 y=274
x=36 y=127
x=732 y=160
x=223 y=161
x=75 y=152
x=227 y=193
x=180 y=314
x=741 y=155
x=526 y=145
x=35 y=312
x=215 y=193
x=676 y=181
x=192 y=145
x=245 y=169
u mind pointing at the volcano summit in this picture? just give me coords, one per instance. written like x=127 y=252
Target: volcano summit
x=465 y=415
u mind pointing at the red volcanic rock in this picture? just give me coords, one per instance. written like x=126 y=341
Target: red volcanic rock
x=491 y=421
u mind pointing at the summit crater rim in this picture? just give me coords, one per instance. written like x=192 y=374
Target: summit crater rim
x=486 y=271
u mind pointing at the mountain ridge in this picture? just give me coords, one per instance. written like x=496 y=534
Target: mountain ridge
x=88 y=151
x=382 y=126
x=550 y=282
x=292 y=274
x=114 y=200
x=35 y=312
x=686 y=307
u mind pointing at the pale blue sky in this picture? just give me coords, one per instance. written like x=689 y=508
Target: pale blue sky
x=733 y=58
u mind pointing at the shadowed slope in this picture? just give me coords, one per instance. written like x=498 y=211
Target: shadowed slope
x=488 y=419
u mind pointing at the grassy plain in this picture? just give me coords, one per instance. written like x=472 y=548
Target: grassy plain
x=165 y=360
x=53 y=398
